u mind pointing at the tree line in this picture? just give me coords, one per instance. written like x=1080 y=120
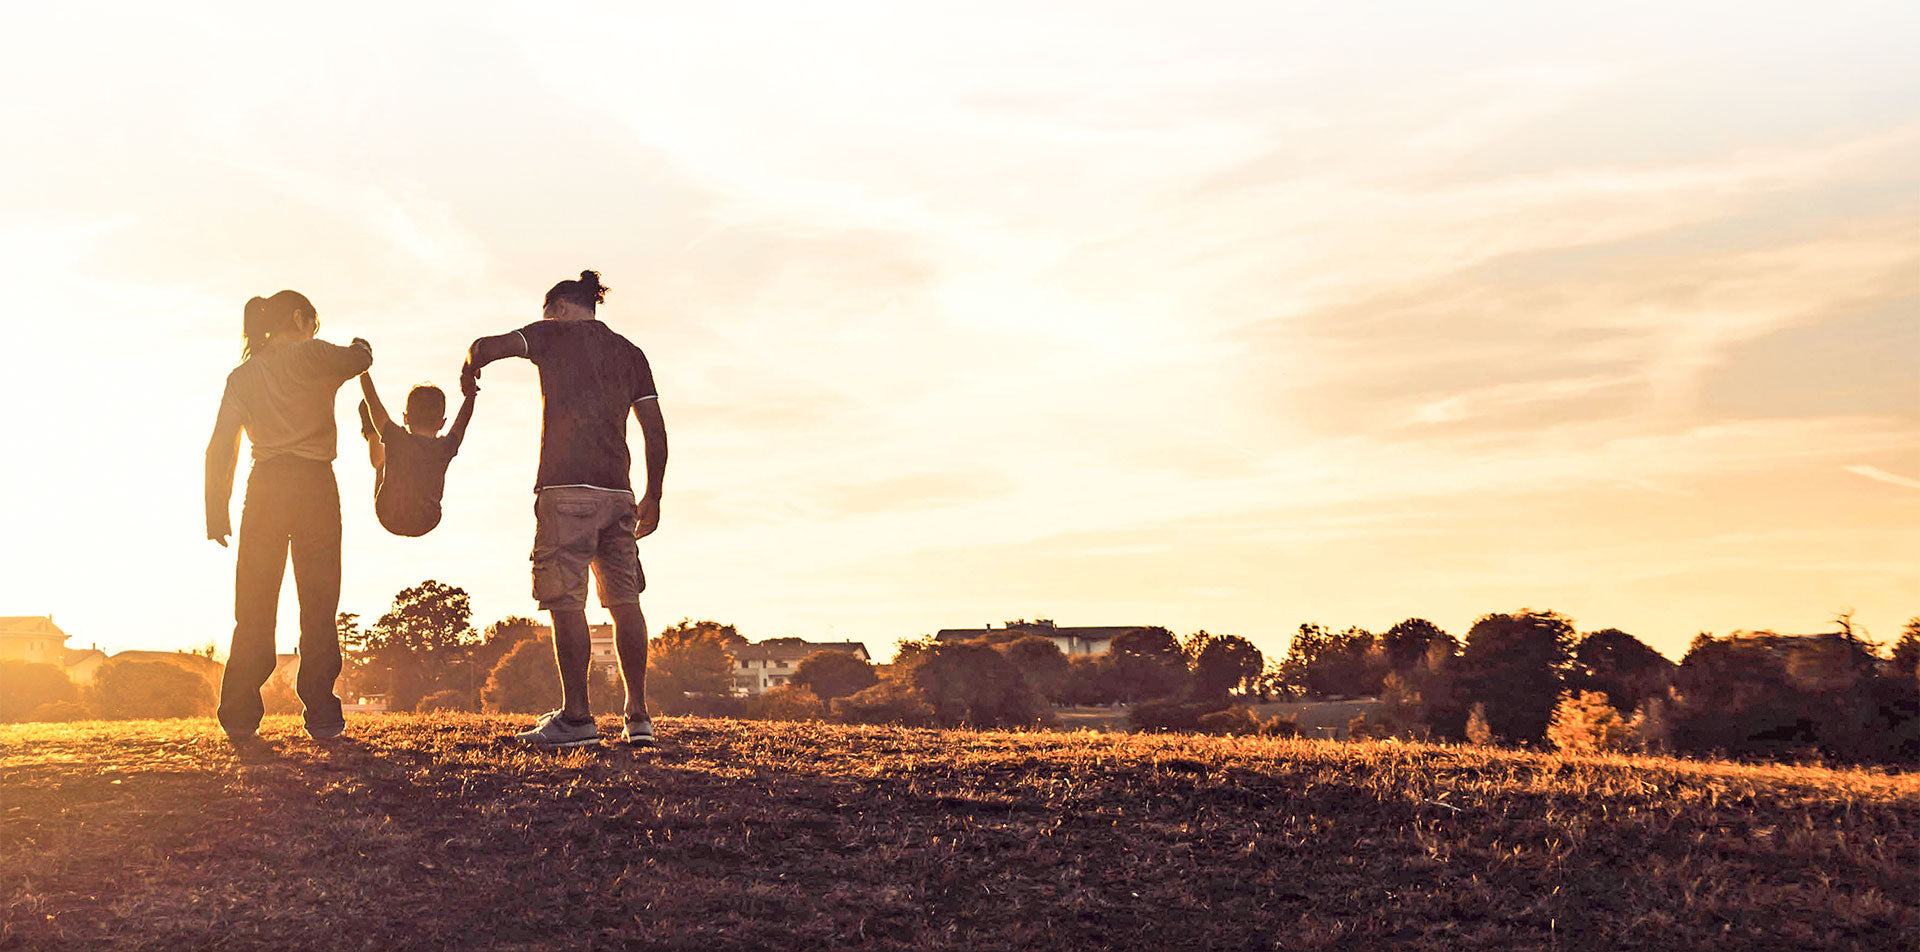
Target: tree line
x=1526 y=678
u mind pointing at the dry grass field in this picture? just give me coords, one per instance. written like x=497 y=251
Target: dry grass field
x=424 y=832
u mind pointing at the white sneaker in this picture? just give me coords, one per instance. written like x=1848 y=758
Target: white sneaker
x=554 y=731
x=638 y=733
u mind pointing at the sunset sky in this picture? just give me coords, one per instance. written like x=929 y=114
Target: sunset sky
x=1222 y=316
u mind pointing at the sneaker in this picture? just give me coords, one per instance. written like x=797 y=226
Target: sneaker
x=554 y=731
x=638 y=733
x=326 y=733
x=237 y=736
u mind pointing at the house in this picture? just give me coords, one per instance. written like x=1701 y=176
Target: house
x=604 y=659
x=33 y=638
x=83 y=663
x=208 y=669
x=771 y=663
x=1072 y=641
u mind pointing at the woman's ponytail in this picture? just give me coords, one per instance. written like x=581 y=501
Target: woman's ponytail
x=266 y=317
x=255 y=327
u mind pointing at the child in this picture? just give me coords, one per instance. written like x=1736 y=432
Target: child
x=410 y=463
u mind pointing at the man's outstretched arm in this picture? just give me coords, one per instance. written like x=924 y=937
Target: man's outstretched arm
x=486 y=350
x=654 y=427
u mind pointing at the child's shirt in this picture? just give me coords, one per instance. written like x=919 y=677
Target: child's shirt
x=415 y=477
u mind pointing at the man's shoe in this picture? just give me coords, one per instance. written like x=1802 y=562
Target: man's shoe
x=638 y=733
x=554 y=731
x=326 y=733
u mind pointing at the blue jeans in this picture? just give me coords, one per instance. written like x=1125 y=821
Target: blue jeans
x=293 y=504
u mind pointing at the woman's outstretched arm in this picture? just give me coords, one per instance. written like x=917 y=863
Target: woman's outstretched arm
x=223 y=454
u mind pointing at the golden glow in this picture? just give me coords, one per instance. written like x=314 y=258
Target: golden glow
x=1229 y=317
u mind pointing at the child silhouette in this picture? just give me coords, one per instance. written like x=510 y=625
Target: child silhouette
x=410 y=461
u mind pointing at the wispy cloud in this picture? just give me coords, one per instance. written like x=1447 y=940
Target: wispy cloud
x=1877 y=474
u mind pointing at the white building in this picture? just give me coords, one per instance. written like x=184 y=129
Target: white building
x=771 y=663
x=1072 y=641
x=32 y=638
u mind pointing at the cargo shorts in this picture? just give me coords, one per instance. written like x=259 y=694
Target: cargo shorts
x=577 y=528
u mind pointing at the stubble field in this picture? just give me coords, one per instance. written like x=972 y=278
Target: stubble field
x=424 y=832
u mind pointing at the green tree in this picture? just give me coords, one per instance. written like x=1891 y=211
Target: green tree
x=690 y=659
x=1041 y=662
x=1147 y=663
x=1620 y=666
x=423 y=641
x=1516 y=665
x=971 y=684
x=501 y=637
x=1407 y=643
x=1223 y=664
x=830 y=674
x=1905 y=662
x=26 y=685
x=525 y=681
x=1324 y=663
x=124 y=688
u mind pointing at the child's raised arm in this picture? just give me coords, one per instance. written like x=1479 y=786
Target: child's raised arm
x=375 y=409
x=459 y=430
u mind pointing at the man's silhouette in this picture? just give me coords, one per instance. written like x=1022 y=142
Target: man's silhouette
x=586 y=514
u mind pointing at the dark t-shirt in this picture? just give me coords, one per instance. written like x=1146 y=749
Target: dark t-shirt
x=590 y=378
x=408 y=500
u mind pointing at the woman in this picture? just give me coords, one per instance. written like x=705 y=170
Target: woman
x=282 y=396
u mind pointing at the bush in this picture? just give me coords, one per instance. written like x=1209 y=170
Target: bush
x=1170 y=715
x=1279 y=727
x=789 y=703
x=892 y=701
x=1359 y=729
x=278 y=695
x=1650 y=729
x=1478 y=730
x=1586 y=723
x=1236 y=720
x=60 y=711
x=25 y=686
x=831 y=674
x=130 y=689
x=1089 y=680
x=449 y=700
x=703 y=705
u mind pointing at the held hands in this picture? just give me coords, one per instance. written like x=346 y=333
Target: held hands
x=362 y=342
x=646 y=514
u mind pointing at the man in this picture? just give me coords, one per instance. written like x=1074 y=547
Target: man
x=585 y=511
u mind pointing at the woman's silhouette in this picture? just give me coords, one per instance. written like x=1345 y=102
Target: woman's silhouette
x=282 y=396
